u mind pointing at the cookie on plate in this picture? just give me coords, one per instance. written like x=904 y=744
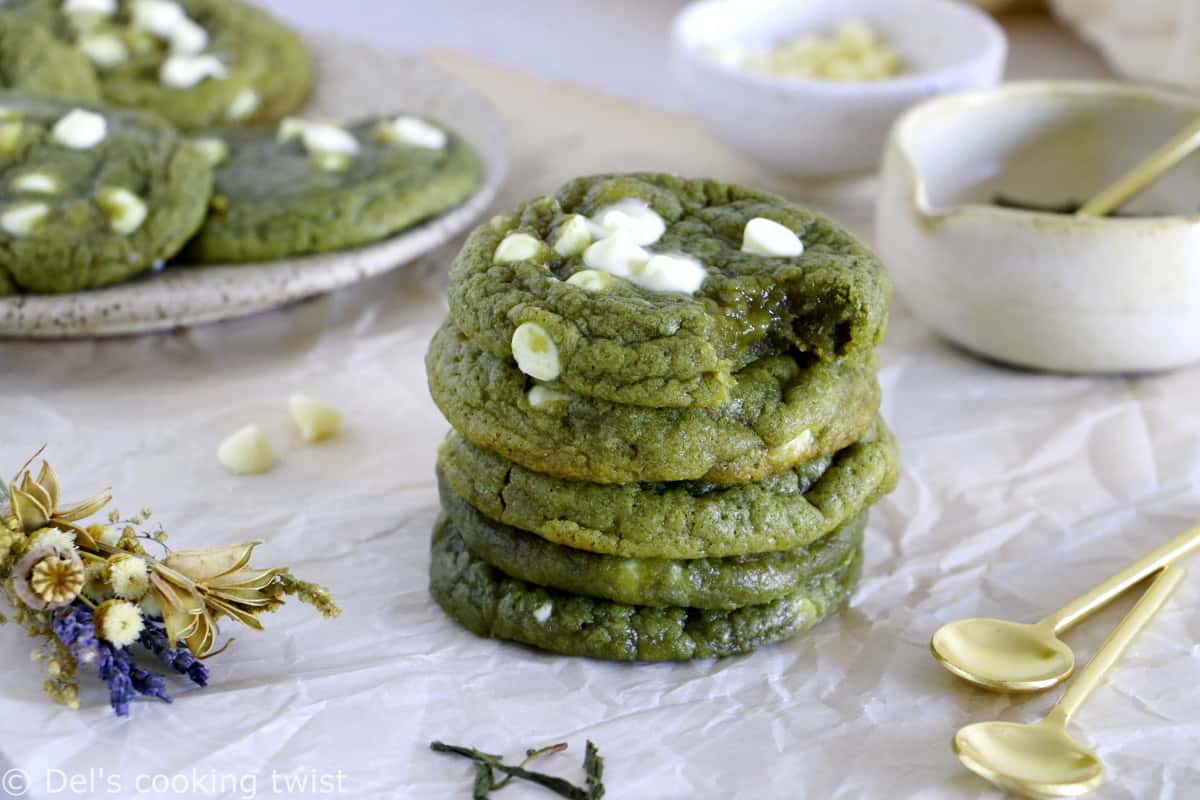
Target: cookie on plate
x=33 y=60
x=194 y=62
x=718 y=583
x=677 y=520
x=655 y=290
x=314 y=186
x=782 y=411
x=91 y=196
x=490 y=603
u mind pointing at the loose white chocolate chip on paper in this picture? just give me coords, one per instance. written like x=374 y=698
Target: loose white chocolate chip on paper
x=80 y=129
x=314 y=420
x=766 y=237
x=246 y=452
x=412 y=131
x=535 y=352
x=516 y=247
x=36 y=183
x=573 y=236
x=23 y=218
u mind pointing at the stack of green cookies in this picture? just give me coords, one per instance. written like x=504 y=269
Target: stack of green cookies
x=666 y=412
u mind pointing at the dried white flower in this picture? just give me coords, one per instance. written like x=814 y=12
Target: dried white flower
x=119 y=622
x=128 y=576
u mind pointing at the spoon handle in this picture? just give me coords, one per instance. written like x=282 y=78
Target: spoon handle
x=1140 y=177
x=1098 y=597
x=1115 y=646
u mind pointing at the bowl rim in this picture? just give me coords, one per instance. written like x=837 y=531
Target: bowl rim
x=1066 y=90
x=994 y=49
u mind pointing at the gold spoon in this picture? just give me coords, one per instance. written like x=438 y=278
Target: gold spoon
x=1144 y=174
x=1020 y=657
x=1042 y=760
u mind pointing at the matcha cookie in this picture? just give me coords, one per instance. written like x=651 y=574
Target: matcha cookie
x=312 y=187
x=677 y=520
x=91 y=196
x=33 y=60
x=196 y=63
x=718 y=583
x=781 y=412
x=654 y=290
x=489 y=603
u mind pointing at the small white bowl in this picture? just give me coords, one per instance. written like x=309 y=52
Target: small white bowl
x=1041 y=290
x=808 y=127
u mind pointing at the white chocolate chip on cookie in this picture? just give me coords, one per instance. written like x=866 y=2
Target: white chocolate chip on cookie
x=106 y=50
x=185 y=70
x=412 y=131
x=214 y=149
x=535 y=352
x=631 y=216
x=516 y=247
x=592 y=280
x=573 y=237
x=80 y=129
x=766 y=237
x=125 y=210
x=541 y=397
x=670 y=273
x=617 y=254
x=243 y=104
x=23 y=218
x=36 y=183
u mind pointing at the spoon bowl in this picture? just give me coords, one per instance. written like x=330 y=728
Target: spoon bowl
x=1004 y=656
x=1040 y=760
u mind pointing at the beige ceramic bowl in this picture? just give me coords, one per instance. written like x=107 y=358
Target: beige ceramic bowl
x=1045 y=290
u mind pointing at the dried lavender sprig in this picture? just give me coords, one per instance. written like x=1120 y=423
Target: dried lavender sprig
x=180 y=659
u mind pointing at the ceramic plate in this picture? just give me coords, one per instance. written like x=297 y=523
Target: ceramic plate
x=353 y=80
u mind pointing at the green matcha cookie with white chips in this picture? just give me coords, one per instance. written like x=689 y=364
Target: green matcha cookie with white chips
x=718 y=583
x=33 y=60
x=195 y=63
x=680 y=519
x=315 y=186
x=655 y=290
x=490 y=603
x=90 y=196
x=782 y=411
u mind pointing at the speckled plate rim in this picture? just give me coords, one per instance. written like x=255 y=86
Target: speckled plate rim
x=353 y=80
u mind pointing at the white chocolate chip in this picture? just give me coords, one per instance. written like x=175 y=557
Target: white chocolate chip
x=797 y=448
x=125 y=210
x=314 y=420
x=412 y=131
x=543 y=612
x=592 y=280
x=291 y=128
x=330 y=162
x=574 y=236
x=325 y=137
x=106 y=50
x=766 y=237
x=535 y=352
x=670 y=273
x=246 y=452
x=184 y=70
x=516 y=247
x=214 y=149
x=632 y=216
x=159 y=17
x=80 y=129
x=243 y=104
x=36 y=183
x=541 y=397
x=188 y=37
x=23 y=218
x=617 y=254
x=104 y=8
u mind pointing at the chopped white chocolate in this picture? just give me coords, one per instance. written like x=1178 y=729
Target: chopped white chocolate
x=535 y=352
x=853 y=52
x=36 y=183
x=246 y=452
x=573 y=237
x=213 y=148
x=187 y=37
x=104 y=8
x=617 y=254
x=125 y=210
x=541 y=397
x=313 y=419
x=670 y=273
x=23 y=218
x=159 y=17
x=766 y=237
x=543 y=612
x=330 y=162
x=80 y=129
x=517 y=247
x=243 y=104
x=183 y=71
x=412 y=131
x=631 y=216
x=593 y=280
x=106 y=50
